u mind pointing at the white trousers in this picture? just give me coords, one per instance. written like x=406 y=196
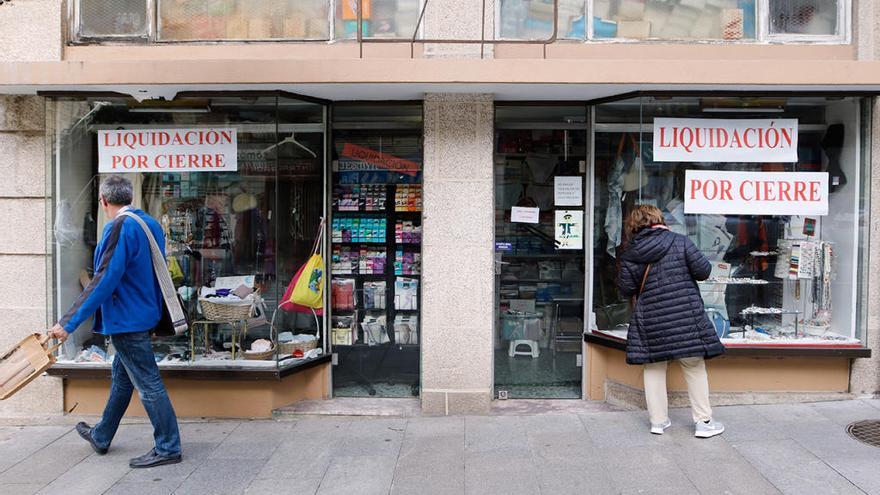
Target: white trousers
x=694 y=369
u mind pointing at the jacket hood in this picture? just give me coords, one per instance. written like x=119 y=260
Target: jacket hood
x=649 y=245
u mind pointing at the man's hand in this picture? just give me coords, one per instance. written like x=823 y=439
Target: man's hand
x=58 y=332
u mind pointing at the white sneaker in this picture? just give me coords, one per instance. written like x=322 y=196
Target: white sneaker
x=658 y=429
x=710 y=429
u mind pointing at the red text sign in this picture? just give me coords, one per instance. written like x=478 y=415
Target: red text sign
x=756 y=193
x=168 y=150
x=726 y=140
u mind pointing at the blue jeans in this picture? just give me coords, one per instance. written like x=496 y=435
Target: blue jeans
x=135 y=367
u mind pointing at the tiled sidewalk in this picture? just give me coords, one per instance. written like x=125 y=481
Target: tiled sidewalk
x=797 y=448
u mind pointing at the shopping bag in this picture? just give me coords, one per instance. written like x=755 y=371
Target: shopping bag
x=25 y=361
x=309 y=288
x=288 y=305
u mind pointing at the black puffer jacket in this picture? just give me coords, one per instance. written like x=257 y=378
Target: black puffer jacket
x=669 y=321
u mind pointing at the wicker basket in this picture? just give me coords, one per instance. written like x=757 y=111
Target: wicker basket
x=259 y=356
x=287 y=348
x=226 y=311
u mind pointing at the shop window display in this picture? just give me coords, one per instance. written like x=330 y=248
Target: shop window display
x=792 y=277
x=185 y=20
x=375 y=263
x=233 y=238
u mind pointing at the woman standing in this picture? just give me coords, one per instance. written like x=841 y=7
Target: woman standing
x=660 y=268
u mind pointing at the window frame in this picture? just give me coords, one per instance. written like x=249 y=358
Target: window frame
x=842 y=36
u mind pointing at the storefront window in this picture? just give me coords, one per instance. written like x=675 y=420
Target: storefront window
x=185 y=20
x=244 y=229
x=381 y=18
x=533 y=19
x=674 y=20
x=745 y=180
x=376 y=249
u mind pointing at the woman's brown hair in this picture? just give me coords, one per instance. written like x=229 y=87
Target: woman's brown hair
x=642 y=217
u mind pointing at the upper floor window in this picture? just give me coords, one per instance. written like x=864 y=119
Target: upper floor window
x=676 y=20
x=112 y=18
x=594 y=20
x=208 y=20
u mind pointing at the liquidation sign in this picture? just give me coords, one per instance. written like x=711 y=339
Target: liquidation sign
x=726 y=140
x=756 y=193
x=168 y=150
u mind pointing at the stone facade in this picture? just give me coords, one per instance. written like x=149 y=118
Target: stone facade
x=23 y=260
x=865 y=379
x=30 y=30
x=457 y=266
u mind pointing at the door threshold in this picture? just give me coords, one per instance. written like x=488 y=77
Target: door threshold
x=517 y=407
x=353 y=406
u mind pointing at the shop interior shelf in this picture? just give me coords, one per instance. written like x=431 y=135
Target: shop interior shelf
x=545 y=280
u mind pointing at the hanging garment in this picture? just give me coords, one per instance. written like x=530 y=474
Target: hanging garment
x=635 y=178
x=614 y=212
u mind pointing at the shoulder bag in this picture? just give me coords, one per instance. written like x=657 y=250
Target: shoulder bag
x=173 y=321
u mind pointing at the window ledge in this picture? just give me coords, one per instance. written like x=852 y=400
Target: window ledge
x=755 y=350
x=241 y=373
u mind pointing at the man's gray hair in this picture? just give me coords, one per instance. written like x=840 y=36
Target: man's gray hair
x=117 y=190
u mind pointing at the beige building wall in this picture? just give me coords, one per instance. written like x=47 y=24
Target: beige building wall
x=23 y=259
x=30 y=30
x=457 y=255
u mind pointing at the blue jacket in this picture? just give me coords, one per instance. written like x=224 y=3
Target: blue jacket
x=668 y=321
x=124 y=294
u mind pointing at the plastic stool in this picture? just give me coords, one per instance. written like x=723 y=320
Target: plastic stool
x=533 y=351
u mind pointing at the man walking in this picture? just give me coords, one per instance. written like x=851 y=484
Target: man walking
x=126 y=300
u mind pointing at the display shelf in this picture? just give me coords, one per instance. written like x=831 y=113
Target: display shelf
x=539 y=280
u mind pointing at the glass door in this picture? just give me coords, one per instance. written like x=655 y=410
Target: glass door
x=376 y=238
x=540 y=225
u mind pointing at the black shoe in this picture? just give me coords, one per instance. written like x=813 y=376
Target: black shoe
x=152 y=459
x=85 y=431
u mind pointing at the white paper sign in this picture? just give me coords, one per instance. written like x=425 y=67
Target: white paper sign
x=568 y=191
x=569 y=229
x=520 y=214
x=726 y=140
x=168 y=150
x=756 y=193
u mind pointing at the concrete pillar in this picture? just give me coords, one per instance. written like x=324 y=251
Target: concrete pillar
x=458 y=255
x=459 y=20
x=23 y=256
x=865 y=377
